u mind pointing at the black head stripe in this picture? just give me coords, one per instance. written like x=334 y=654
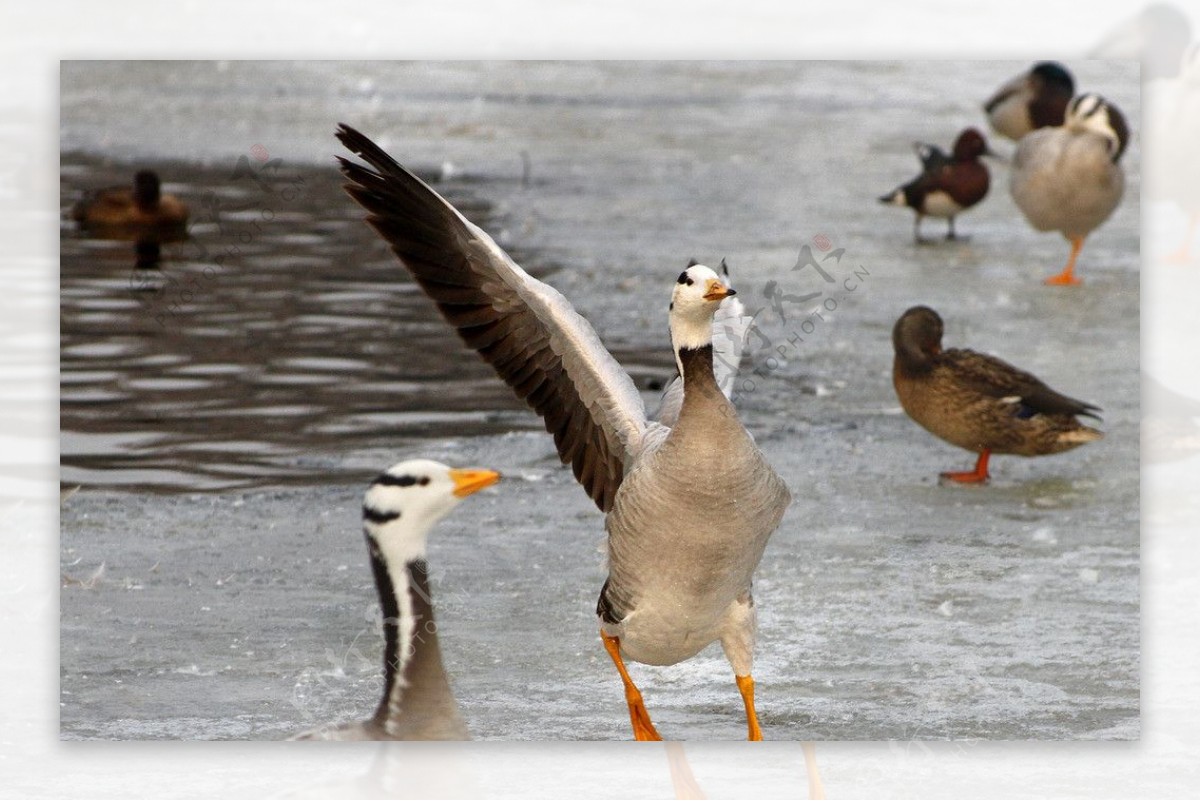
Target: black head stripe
x=373 y=515
x=684 y=278
x=388 y=480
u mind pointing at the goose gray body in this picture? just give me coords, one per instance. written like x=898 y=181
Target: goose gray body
x=1069 y=178
x=687 y=531
x=1065 y=180
x=690 y=506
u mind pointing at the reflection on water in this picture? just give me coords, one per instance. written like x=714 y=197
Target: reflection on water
x=280 y=330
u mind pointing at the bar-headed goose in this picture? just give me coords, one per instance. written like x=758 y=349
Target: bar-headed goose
x=1069 y=179
x=979 y=402
x=399 y=509
x=689 y=507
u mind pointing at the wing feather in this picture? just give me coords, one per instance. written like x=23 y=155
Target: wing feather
x=1000 y=380
x=527 y=331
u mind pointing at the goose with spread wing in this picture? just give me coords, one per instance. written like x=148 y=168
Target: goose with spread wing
x=689 y=507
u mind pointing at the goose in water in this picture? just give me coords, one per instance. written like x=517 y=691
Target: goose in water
x=140 y=208
x=979 y=402
x=947 y=185
x=1069 y=179
x=1034 y=99
x=689 y=507
x=399 y=509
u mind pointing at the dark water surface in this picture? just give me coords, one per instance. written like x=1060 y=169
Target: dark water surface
x=280 y=334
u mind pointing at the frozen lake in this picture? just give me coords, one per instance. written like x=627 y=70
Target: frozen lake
x=223 y=437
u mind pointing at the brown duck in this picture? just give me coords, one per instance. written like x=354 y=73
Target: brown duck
x=979 y=402
x=142 y=206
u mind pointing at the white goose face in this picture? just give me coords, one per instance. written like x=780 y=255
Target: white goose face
x=1091 y=112
x=697 y=294
x=409 y=498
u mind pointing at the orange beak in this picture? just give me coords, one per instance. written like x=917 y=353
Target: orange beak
x=717 y=290
x=467 y=482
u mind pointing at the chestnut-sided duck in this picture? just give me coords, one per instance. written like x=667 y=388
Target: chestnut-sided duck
x=947 y=185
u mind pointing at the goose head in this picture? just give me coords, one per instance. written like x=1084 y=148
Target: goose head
x=1091 y=112
x=697 y=294
x=405 y=501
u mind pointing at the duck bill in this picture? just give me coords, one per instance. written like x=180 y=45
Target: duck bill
x=468 y=482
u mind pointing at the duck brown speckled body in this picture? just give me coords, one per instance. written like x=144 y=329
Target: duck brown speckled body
x=979 y=402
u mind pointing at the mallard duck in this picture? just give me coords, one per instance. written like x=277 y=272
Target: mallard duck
x=689 y=508
x=141 y=207
x=979 y=402
x=1069 y=179
x=399 y=509
x=1034 y=99
x=947 y=186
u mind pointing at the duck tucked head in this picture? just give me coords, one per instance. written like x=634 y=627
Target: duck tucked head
x=1091 y=112
x=146 y=189
x=405 y=501
x=917 y=338
x=697 y=294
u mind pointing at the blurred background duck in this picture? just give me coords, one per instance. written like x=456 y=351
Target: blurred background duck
x=138 y=208
x=979 y=402
x=1032 y=100
x=947 y=185
x=399 y=509
x=1069 y=179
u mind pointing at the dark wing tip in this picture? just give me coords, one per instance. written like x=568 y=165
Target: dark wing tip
x=361 y=146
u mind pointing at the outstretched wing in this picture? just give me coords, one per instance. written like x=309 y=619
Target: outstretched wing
x=999 y=379
x=526 y=330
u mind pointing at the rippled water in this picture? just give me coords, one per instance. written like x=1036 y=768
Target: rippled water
x=277 y=336
x=890 y=607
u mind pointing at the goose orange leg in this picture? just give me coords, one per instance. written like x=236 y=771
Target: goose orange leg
x=746 y=688
x=643 y=729
x=976 y=476
x=1067 y=276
